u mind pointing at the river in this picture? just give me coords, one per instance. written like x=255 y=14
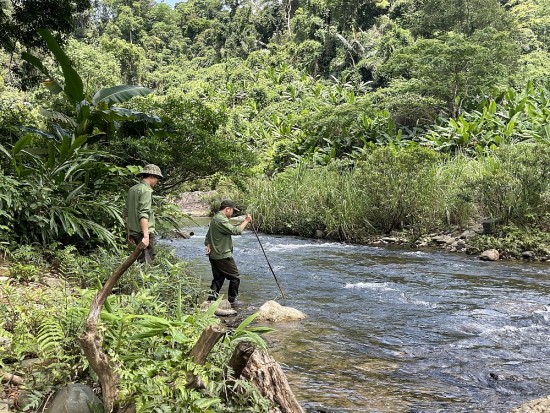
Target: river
x=396 y=330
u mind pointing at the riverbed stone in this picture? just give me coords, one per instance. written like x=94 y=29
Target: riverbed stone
x=224 y=309
x=443 y=240
x=4 y=407
x=490 y=255
x=274 y=312
x=319 y=234
x=4 y=280
x=75 y=398
x=468 y=234
x=528 y=255
x=534 y=406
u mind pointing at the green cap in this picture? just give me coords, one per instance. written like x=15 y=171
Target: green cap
x=151 y=170
x=227 y=203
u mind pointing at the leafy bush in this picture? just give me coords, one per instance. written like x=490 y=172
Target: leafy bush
x=148 y=327
x=512 y=241
x=25 y=272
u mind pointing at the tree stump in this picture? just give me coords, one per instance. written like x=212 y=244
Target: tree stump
x=266 y=375
x=206 y=342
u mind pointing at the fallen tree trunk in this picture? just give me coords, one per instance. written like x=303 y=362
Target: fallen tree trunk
x=91 y=342
x=266 y=375
x=204 y=345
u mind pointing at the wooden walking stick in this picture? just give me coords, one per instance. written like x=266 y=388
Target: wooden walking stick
x=268 y=263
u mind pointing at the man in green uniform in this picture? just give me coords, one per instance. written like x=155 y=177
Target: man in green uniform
x=219 y=248
x=140 y=218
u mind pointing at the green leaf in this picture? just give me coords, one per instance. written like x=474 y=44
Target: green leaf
x=74 y=87
x=246 y=322
x=36 y=62
x=21 y=144
x=119 y=94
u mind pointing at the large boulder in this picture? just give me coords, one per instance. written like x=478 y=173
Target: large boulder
x=274 y=312
x=75 y=398
x=490 y=255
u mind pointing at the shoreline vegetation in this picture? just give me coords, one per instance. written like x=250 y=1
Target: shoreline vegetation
x=152 y=331
x=415 y=197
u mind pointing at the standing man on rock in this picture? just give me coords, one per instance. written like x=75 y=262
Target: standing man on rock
x=140 y=218
x=219 y=248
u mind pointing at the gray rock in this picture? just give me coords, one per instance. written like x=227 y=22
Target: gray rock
x=28 y=364
x=4 y=408
x=528 y=255
x=52 y=282
x=24 y=399
x=223 y=310
x=468 y=234
x=75 y=398
x=319 y=234
x=443 y=240
x=391 y=240
x=274 y=312
x=490 y=255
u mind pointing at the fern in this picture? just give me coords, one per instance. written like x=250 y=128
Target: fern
x=50 y=339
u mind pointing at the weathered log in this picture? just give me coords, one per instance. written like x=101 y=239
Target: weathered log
x=12 y=378
x=266 y=375
x=91 y=342
x=204 y=345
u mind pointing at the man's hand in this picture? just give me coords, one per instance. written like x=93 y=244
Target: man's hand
x=248 y=218
x=130 y=239
x=145 y=240
x=208 y=249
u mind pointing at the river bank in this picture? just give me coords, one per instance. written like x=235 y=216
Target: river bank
x=483 y=239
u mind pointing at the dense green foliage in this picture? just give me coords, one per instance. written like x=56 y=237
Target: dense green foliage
x=415 y=190
x=149 y=327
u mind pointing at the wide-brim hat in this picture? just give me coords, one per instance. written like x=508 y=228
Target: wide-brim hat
x=227 y=203
x=151 y=169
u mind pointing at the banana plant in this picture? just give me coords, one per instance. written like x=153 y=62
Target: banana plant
x=98 y=112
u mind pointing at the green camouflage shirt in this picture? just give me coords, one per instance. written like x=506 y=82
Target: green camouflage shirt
x=219 y=236
x=139 y=204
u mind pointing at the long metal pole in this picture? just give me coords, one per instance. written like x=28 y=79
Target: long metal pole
x=268 y=263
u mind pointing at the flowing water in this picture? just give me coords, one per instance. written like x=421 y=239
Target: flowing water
x=395 y=330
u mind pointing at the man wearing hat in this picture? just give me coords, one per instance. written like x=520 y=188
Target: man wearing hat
x=140 y=218
x=219 y=248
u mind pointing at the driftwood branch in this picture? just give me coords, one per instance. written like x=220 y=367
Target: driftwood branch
x=266 y=375
x=204 y=345
x=91 y=342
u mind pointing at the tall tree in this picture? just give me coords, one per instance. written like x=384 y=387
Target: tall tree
x=20 y=20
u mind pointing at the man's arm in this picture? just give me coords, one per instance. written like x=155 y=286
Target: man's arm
x=243 y=225
x=144 y=205
x=144 y=224
x=225 y=227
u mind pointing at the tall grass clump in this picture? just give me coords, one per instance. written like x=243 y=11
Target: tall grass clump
x=388 y=190
x=513 y=184
x=413 y=190
x=401 y=189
